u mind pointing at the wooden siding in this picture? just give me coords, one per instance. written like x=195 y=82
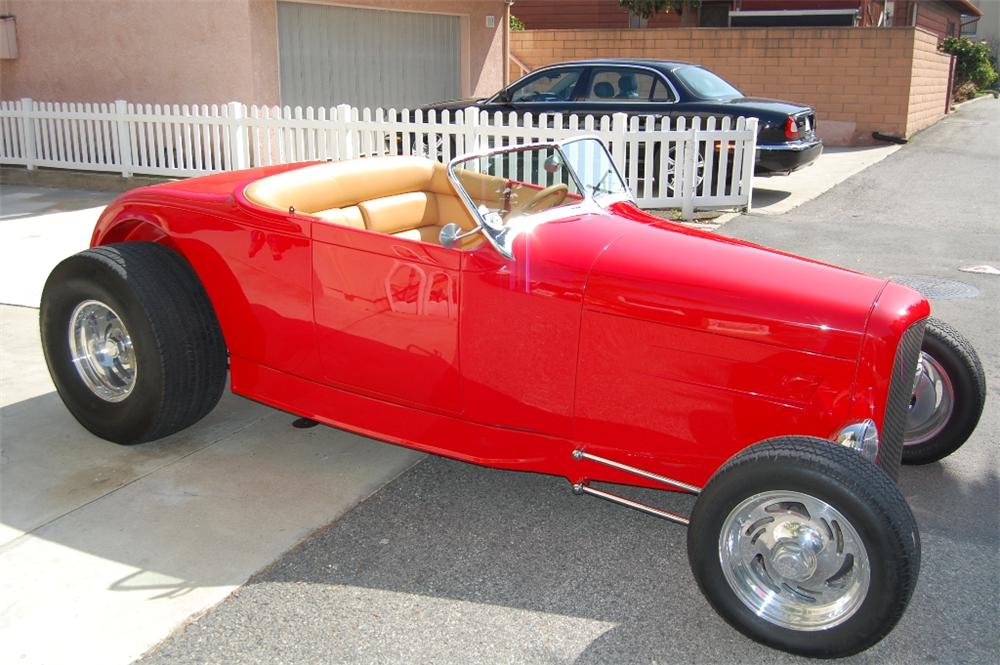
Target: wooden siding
x=582 y=14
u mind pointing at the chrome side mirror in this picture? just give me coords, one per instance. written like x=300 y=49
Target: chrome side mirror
x=451 y=233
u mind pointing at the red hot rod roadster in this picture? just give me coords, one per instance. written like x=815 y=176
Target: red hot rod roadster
x=515 y=309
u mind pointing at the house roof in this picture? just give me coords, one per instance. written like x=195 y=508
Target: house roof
x=965 y=6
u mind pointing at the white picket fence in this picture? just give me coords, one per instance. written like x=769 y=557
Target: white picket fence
x=668 y=164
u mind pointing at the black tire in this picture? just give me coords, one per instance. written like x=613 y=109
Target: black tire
x=964 y=371
x=180 y=354
x=864 y=495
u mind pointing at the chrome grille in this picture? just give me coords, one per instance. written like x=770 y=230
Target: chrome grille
x=898 y=402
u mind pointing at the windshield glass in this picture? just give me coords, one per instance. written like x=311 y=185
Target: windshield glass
x=517 y=182
x=593 y=167
x=509 y=189
x=706 y=84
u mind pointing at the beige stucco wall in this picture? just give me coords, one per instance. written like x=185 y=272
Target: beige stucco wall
x=178 y=51
x=189 y=51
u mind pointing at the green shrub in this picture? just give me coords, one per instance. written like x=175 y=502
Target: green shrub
x=972 y=62
x=516 y=24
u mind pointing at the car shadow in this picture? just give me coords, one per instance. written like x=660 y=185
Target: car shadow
x=766 y=197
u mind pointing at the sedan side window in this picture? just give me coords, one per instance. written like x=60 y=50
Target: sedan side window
x=621 y=85
x=551 y=86
x=662 y=92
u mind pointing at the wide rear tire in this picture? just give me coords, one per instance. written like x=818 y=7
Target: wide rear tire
x=805 y=546
x=132 y=342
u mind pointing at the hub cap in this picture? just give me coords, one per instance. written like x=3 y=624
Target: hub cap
x=932 y=403
x=794 y=560
x=699 y=170
x=102 y=351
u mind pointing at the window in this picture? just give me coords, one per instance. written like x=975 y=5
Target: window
x=625 y=85
x=636 y=21
x=548 y=86
x=705 y=84
x=951 y=28
x=662 y=92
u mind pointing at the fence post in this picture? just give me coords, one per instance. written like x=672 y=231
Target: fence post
x=27 y=132
x=619 y=131
x=124 y=138
x=690 y=170
x=750 y=161
x=470 y=117
x=345 y=142
x=240 y=158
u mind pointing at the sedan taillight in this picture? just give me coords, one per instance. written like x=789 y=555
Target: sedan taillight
x=791 y=129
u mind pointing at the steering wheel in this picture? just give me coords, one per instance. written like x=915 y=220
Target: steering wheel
x=544 y=97
x=551 y=196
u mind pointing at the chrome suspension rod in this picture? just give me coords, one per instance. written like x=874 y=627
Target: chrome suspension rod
x=579 y=454
x=582 y=488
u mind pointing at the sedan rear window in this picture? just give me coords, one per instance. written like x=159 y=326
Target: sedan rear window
x=704 y=83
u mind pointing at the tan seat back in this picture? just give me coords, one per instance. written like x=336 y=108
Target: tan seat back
x=341 y=184
x=409 y=197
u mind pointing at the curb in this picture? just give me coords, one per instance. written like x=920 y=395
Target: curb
x=68 y=179
x=955 y=107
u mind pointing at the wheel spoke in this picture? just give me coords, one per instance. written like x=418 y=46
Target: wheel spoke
x=794 y=560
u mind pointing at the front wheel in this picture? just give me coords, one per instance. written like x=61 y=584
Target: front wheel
x=948 y=396
x=805 y=546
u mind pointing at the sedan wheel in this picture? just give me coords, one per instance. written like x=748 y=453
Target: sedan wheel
x=699 y=171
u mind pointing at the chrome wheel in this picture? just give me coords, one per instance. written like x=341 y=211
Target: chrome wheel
x=699 y=170
x=101 y=350
x=794 y=560
x=932 y=403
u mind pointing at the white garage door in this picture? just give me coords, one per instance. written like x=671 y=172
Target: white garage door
x=366 y=58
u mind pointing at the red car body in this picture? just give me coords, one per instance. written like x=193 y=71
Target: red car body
x=631 y=337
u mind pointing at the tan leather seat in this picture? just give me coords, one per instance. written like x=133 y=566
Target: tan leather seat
x=409 y=197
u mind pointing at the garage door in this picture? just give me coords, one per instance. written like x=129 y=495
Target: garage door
x=366 y=58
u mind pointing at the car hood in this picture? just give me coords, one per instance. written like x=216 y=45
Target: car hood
x=453 y=104
x=679 y=277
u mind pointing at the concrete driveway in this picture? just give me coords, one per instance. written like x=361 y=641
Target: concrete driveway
x=453 y=563
x=105 y=550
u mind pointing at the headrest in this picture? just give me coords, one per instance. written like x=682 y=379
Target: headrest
x=604 y=90
x=628 y=84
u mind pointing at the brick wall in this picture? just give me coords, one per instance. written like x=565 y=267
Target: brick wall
x=858 y=80
x=927 y=96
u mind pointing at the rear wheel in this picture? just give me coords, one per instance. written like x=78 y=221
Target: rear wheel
x=948 y=396
x=132 y=342
x=806 y=547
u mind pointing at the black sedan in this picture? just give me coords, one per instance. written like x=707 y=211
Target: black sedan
x=786 y=139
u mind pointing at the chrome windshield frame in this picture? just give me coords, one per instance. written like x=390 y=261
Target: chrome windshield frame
x=502 y=240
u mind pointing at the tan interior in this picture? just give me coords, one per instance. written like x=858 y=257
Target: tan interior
x=408 y=197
